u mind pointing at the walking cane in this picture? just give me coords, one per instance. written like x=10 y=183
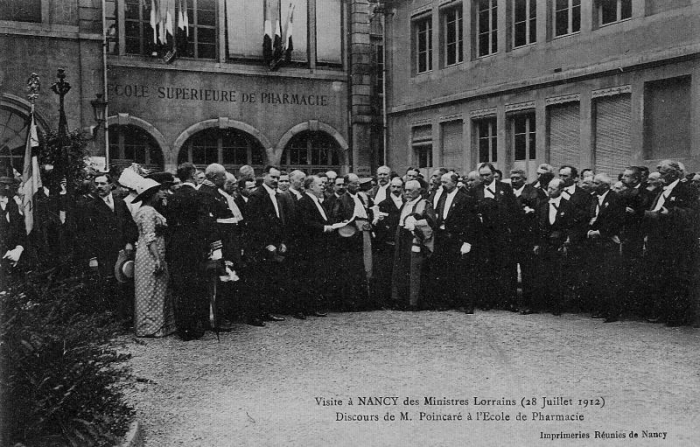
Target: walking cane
x=212 y=304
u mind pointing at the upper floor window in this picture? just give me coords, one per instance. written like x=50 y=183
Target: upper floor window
x=21 y=10
x=201 y=35
x=524 y=22
x=423 y=44
x=453 y=27
x=139 y=35
x=567 y=17
x=487 y=27
x=611 y=11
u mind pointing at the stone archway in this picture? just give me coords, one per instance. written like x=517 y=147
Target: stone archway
x=313 y=126
x=124 y=119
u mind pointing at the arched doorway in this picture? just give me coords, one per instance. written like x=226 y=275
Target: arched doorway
x=311 y=152
x=130 y=144
x=230 y=147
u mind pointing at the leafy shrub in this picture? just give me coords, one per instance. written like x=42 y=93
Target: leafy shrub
x=61 y=382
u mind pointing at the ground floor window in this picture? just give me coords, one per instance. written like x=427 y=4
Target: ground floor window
x=522 y=128
x=486 y=139
x=229 y=147
x=311 y=152
x=131 y=144
x=13 y=138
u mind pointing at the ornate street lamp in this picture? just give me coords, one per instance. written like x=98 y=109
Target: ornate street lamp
x=99 y=106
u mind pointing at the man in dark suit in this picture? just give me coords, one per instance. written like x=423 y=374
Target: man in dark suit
x=108 y=228
x=452 y=264
x=386 y=222
x=497 y=207
x=556 y=227
x=603 y=250
x=192 y=240
x=576 y=273
x=13 y=236
x=524 y=231
x=672 y=246
x=267 y=241
x=381 y=190
x=314 y=257
x=289 y=270
x=637 y=199
x=355 y=251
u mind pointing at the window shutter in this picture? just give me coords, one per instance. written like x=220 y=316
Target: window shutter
x=452 y=144
x=564 y=131
x=613 y=149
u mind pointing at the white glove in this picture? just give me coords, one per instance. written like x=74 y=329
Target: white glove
x=271 y=248
x=466 y=248
x=216 y=255
x=528 y=210
x=13 y=255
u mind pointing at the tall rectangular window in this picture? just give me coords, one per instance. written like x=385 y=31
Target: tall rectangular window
x=379 y=85
x=486 y=139
x=201 y=15
x=21 y=10
x=453 y=28
x=523 y=136
x=329 y=31
x=567 y=17
x=611 y=11
x=487 y=27
x=452 y=147
x=423 y=44
x=524 y=22
x=137 y=28
x=667 y=118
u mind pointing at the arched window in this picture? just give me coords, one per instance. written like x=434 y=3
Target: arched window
x=13 y=138
x=131 y=144
x=311 y=152
x=229 y=147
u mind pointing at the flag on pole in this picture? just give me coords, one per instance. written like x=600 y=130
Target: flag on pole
x=31 y=178
x=267 y=36
x=289 y=45
x=154 y=21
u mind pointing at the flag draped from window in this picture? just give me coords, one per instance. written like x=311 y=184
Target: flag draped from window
x=289 y=45
x=31 y=179
x=267 y=33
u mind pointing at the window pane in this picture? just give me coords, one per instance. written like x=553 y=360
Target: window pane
x=626 y=9
x=562 y=23
x=576 y=20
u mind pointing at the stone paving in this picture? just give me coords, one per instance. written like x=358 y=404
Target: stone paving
x=268 y=386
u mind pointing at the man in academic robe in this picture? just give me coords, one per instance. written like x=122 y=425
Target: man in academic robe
x=385 y=223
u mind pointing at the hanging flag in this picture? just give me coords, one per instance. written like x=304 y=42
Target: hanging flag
x=267 y=36
x=289 y=45
x=31 y=179
x=154 y=21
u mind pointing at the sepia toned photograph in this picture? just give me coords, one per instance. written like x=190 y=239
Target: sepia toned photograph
x=420 y=223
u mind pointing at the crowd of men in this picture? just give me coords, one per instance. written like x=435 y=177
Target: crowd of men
x=255 y=248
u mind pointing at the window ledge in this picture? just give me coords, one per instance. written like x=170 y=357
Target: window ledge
x=198 y=65
x=564 y=36
x=605 y=25
x=44 y=29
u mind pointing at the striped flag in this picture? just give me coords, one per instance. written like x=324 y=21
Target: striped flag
x=31 y=178
x=267 y=36
x=289 y=45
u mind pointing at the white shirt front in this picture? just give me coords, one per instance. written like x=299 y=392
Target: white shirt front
x=553 y=210
x=407 y=209
x=397 y=200
x=436 y=199
x=318 y=205
x=664 y=195
x=360 y=211
x=295 y=192
x=448 y=202
x=273 y=196
x=518 y=192
x=490 y=191
x=382 y=192
x=109 y=201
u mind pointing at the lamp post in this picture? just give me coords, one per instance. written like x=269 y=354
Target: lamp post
x=61 y=87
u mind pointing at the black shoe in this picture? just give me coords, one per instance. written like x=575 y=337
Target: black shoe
x=469 y=311
x=527 y=312
x=224 y=326
x=654 y=320
x=270 y=317
x=318 y=314
x=256 y=322
x=611 y=319
x=299 y=316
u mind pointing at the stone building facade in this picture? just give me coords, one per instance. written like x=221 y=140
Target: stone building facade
x=597 y=84
x=191 y=80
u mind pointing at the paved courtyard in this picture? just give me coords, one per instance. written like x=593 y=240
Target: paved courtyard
x=585 y=383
